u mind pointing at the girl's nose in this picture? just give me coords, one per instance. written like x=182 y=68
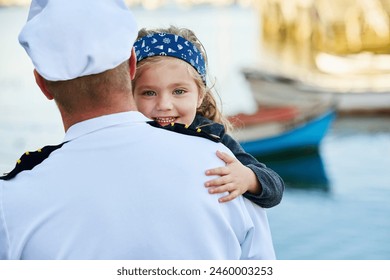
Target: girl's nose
x=164 y=103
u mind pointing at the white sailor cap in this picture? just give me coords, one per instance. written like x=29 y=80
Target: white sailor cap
x=66 y=39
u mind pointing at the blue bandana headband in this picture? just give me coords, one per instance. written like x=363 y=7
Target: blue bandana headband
x=170 y=45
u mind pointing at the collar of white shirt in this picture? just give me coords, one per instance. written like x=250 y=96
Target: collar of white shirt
x=91 y=125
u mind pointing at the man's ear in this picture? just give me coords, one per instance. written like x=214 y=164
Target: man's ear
x=42 y=85
x=133 y=63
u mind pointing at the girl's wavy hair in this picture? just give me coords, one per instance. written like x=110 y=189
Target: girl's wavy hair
x=209 y=107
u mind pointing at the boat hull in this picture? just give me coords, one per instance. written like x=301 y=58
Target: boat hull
x=276 y=89
x=306 y=135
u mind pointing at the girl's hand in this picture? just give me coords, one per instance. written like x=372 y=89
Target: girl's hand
x=235 y=178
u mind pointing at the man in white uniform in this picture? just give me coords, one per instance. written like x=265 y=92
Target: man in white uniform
x=117 y=188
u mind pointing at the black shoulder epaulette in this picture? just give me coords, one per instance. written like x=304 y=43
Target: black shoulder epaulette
x=30 y=159
x=187 y=130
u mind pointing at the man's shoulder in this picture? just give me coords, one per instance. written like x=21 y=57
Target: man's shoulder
x=208 y=126
x=187 y=130
x=197 y=143
x=30 y=159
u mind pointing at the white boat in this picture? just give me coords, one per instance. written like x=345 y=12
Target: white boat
x=272 y=88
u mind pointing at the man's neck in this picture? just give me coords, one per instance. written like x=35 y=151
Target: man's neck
x=71 y=119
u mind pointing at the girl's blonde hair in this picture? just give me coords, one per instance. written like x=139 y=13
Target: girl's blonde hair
x=209 y=107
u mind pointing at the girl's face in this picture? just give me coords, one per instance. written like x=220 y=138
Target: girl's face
x=166 y=92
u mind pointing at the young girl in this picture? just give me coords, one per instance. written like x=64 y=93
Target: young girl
x=170 y=87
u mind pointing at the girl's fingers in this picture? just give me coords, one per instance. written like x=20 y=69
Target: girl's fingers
x=218 y=182
x=221 y=171
x=225 y=157
x=229 y=197
x=221 y=189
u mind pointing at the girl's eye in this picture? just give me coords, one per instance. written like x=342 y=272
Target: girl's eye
x=149 y=93
x=179 y=91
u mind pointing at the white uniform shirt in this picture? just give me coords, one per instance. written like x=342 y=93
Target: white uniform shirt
x=122 y=189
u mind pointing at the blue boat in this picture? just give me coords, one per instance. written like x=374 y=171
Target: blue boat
x=288 y=117
x=305 y=135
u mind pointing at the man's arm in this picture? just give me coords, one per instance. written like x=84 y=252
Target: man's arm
x=258 y=243
x=3 y=232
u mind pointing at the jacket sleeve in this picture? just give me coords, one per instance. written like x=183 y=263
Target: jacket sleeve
x=272 y=185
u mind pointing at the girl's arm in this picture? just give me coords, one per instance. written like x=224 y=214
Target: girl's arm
x=245 y=175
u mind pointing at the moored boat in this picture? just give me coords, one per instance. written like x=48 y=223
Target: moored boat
x=281 y=129
x=350 y=98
